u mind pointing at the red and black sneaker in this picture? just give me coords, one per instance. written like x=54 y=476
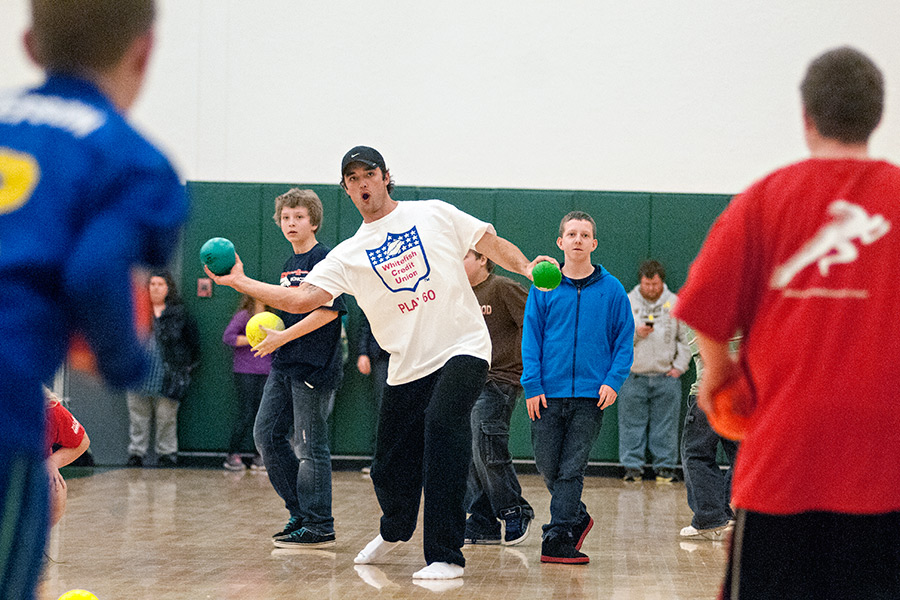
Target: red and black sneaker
x=580 y=531
x=561 y=549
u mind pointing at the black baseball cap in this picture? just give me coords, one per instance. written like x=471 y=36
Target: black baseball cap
x=365 y=155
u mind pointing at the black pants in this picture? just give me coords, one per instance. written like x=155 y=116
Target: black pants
x=424 y=441
x=814 y=556
x=249 y=388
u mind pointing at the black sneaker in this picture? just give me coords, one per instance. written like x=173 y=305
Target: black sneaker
x=293 y=524
x=580 y=531
x=166 y=461
x=633 y=475
x=135 y=461
x=561 y=549
x=476 y=534
x=516 y=523
x=304 y=538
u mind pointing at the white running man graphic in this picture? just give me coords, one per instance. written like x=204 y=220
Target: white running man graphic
x=833 y=243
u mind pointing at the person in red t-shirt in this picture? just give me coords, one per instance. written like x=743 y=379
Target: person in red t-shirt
x=67 y=436
x=802 y=263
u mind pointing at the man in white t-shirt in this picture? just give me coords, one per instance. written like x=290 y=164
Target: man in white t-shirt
x=405 y=267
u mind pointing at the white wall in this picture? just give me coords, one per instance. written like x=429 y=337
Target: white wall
x=654 y=95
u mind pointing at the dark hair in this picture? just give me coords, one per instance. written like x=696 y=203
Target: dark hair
x=308 y=199
x=649 y=268
x=76 y=35
x=577 y=215
x=489 y=265
x=172 y=296
x=246 y=302
x=843 y=95
x=386 y=173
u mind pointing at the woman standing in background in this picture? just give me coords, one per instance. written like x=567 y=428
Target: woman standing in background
x=174 y=350
x=250 y=373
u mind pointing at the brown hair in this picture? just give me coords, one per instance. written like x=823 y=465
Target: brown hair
x=577 y=215
x=308 y=199
x=72 y=36
x=843 y=95
x=489 y=265
x=650 y=268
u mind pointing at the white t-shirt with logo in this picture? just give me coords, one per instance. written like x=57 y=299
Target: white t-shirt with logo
x=407 y=275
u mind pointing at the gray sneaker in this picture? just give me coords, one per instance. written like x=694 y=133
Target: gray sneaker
x=234 y=463
x=666 y=476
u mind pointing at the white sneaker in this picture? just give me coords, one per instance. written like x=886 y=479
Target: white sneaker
x=715 y=534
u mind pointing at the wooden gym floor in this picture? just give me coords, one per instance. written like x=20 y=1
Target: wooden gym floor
x=197 y=534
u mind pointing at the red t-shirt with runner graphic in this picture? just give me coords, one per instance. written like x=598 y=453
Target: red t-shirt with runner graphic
x=806 y=264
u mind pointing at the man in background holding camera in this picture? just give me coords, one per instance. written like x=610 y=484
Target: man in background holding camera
x=650 y=399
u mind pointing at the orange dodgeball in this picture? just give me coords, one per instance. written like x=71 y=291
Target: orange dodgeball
x=732 y=405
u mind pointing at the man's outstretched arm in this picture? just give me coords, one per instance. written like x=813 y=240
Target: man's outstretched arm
x=298 y=300
x=507 y=255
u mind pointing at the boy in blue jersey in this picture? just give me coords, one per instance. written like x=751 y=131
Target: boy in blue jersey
x=577 y=349
x=83 y=198
x=299 y=392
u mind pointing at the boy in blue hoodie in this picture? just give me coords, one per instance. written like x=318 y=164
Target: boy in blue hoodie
x=577 y=349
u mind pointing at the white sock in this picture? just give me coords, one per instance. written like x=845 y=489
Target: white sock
x=439 y=570
x=374 y=551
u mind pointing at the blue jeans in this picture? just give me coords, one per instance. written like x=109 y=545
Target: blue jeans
x=493 y=485
x=291 y=434
x=649 y=407
x=708 y=489
x=562 y=440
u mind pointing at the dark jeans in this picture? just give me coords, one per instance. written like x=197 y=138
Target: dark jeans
x=814 y=556
x=424 y=441
x=493 y=485
x=562 y=440
x=708 y=489
x=24 y=521
x=249 y=388
x=292 y=423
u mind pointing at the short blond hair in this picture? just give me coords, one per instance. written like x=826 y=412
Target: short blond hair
x=308 y=199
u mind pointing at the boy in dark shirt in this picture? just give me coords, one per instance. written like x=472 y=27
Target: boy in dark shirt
x=494 y=496
x=299 y=392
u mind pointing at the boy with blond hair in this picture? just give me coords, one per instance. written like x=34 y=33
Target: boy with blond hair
x=291 y=429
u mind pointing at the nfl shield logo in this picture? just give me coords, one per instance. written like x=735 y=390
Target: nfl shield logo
x=400 y=261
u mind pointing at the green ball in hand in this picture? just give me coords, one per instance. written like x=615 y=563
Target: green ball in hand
x=217 y=254
x=546 y=275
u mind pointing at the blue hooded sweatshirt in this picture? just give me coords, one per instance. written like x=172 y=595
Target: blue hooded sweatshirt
x=576 y=339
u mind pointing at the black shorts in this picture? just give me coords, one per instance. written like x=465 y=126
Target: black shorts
x=815 y=556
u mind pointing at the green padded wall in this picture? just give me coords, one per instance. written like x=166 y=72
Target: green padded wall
x=631 y=227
